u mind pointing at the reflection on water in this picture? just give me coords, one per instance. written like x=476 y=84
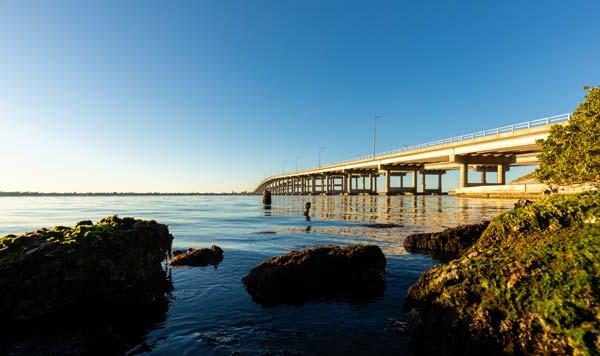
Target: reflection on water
x=211 y=313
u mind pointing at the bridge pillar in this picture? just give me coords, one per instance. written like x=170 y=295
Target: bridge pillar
x=349 y=184
x=388 y=184
x=501 y=174
x=414 y=181
x=464 y=175
x=439 y=183
x=483 y=177
x=375 y=183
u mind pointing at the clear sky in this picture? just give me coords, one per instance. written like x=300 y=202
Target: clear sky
x=213 y=95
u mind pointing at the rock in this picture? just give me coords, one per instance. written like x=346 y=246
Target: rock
x=522 y=203
x=526 y=287
x=180 y=252
x=47 y=272
x=324 y=271
x=84 y=222
x=381 y=225
x=199 y=257
x=266 y=232
x=448 y=243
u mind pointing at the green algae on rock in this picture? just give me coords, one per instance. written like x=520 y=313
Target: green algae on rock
x=52 y=270
x=529 y=285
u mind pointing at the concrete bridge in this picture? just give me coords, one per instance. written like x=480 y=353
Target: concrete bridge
x=494 y=150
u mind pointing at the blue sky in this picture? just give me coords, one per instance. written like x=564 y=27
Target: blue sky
x=213 y=95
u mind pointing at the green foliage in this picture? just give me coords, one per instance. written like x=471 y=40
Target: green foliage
x=571 y=153
x=531 y=283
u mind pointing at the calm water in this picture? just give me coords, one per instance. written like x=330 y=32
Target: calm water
x=210 y=313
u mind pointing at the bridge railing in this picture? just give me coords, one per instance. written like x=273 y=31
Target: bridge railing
x=485 y=133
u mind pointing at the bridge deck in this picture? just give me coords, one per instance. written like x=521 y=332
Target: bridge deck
x=485 y=151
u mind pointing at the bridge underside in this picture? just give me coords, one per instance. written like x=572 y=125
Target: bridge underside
x=399 y=178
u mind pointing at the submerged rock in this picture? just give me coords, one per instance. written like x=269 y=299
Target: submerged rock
x=529 y=285
x=58 y=270
x=382 y=225
x=448 y=243
x=198 y=257
x=322 y=271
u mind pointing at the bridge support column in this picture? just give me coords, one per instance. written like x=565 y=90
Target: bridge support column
x=439 y=183
x=414 y=181
x=501 y=174
x=349 y=184
x=375 y=183
x=294 y=186
x=463 y=175
x=483 y=177
x=388 y=184
x=423 y=182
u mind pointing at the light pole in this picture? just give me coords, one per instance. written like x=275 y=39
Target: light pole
x=375 y=132
x=297 y=158
x=320 y=149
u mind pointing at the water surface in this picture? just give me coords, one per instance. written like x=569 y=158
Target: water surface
x=210 y=313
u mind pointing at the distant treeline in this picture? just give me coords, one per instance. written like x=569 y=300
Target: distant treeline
x=108 y=194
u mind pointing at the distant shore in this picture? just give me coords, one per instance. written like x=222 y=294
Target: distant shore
x=108 y=194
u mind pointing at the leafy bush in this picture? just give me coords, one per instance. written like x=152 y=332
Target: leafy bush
x=571 y=153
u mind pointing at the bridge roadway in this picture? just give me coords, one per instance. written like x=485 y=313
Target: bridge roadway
x=494 y=150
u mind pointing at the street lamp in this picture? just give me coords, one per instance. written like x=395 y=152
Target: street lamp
x=320 y=149
x=375 y=132
x=297 y=158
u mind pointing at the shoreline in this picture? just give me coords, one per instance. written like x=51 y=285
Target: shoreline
x=129 y=194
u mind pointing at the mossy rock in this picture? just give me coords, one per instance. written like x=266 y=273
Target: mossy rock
x=529 y=285
x=51 y=270
x=320 y=272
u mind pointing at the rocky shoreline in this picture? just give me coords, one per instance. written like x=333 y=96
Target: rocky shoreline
x=528 y=285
